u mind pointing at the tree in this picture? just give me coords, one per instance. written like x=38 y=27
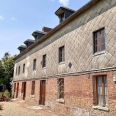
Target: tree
x=6 y=70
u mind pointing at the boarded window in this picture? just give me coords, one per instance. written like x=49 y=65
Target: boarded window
x=60 y=88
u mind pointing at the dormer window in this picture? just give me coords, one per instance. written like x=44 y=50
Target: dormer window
x=63 y=13
x=62 y=17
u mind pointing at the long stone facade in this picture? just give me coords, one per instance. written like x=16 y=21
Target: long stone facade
x=79 y=69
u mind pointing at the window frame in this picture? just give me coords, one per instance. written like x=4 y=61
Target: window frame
x=34 y=64
x=61 y=54
x=33 y=88
x=23 y=68
x=62 y=17
x=19 y=70
x=44 y=61
x=60 y=83
x=96 y=47
x=16 y=71
x=103 y=93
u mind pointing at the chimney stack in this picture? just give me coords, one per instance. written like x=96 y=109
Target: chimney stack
x=46 y=29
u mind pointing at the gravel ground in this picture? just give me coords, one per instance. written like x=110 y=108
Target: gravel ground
x=14 y=109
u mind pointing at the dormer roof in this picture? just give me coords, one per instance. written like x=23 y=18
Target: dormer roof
x=29 y=40
x=62 y=9
x=21 y=48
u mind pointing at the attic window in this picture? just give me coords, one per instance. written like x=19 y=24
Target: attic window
x=62 y=17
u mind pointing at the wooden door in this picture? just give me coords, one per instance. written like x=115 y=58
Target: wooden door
x=42 y=91
x=24 y=89
x=17 y=90
x=14 y=90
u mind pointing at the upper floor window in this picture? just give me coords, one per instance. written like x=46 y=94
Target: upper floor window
x=61 y=54
x=16 y=70
x=19 y=71
x=62 y=17
x=44 y=61
x=34 y=64
x=99 y=40
x=23 y=68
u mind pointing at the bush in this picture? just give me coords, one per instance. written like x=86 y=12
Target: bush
x=7 y=94
x=1 y=94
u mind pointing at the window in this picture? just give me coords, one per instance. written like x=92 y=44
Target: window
x=19 y=71
x=23 y=68
x=34 y=64
x=61 y=54
x=99 y=40
x=16 y=70
x=101 y=91
x=44 y=61
x=33 y=88
x=60 y=88
x=62 y=17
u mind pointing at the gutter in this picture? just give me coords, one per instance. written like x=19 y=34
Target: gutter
x=69 y=19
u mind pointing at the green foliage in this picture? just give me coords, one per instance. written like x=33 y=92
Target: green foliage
x=7 y=94
x=6 y=70
x=1 y=93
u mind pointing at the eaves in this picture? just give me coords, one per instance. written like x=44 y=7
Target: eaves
x=69 y=19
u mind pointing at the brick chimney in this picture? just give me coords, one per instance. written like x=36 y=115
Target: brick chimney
x=46 y=29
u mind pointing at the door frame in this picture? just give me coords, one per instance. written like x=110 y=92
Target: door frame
x=42 y=92
x=23 y=90
x=17 y=90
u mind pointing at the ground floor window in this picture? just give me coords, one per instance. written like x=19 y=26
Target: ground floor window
x=60 y=88
x=101 y=91
x=33 y=88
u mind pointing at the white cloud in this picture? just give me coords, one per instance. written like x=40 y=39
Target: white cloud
x=1 y=17
x=64 y=2
x=13 y=19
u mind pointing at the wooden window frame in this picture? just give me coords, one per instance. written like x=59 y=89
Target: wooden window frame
x=60 y=88
x=103 y=89
x=19 y=70
x=62 y=17
x=97 y=40
x=23 y=68
x=33 y=88
x=34 y=64
x=44 y=61
x=62 y=54
x=16 y=71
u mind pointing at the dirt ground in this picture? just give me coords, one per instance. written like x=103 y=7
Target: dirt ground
x=19 y=108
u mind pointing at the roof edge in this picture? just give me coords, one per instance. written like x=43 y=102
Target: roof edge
x=70 y=18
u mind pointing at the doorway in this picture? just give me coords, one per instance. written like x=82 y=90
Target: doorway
x=42 y=92
x=17 y=90
x=23 y=90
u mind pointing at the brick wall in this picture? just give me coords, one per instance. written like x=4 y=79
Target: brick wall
x=78 y=95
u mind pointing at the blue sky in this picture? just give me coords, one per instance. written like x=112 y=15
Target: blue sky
x=19 y=18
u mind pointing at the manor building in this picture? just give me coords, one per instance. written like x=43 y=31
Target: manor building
x=72 y=67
